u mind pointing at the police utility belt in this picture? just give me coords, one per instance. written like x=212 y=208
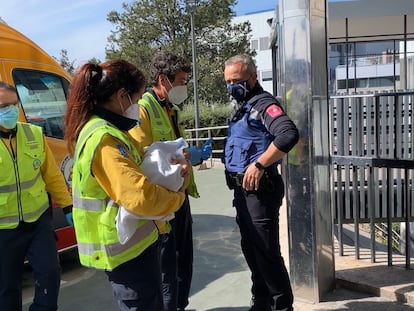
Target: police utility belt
x=267 y=183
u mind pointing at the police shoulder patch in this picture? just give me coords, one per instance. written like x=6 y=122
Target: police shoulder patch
x=274 y=111
x=122 y=150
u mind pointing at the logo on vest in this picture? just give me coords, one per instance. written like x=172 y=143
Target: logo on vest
x=36 y=164
x=66 y=167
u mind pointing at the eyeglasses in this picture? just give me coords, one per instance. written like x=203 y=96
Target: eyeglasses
x=4 y=105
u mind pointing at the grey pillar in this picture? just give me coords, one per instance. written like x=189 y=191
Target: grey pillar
x=302 y=53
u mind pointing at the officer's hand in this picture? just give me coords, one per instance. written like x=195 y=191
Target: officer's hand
x=195 y=155
x=252 y=177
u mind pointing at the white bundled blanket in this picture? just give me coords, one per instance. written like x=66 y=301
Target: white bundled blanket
x=157 y=167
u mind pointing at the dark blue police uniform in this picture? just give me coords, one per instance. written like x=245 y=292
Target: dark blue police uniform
x=251 y=131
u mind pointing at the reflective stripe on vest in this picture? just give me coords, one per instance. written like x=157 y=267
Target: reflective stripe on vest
x=88 y=204
x=35 y=214
x=24 y=185
x=114 y=249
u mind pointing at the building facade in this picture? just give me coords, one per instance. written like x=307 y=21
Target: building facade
x=260 y=43
x=371 y=45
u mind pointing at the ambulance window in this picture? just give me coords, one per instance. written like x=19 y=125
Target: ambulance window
x=43 y=98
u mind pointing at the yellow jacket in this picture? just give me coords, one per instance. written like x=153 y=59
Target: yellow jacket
x=106 y=168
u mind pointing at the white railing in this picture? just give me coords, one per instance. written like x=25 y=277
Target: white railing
x=204 y=134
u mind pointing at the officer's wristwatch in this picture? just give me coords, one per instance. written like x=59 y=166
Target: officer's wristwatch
x=259 y=165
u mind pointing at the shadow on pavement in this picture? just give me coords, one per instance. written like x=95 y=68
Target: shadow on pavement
x=344 y=300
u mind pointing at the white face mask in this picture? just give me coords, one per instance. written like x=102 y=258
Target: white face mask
x=177 y=94
x=132 y=111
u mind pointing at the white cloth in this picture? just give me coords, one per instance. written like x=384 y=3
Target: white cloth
x=157 y=167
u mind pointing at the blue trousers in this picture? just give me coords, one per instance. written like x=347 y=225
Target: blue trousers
x=176 y=253
x=258 y=220
x=136 y=284
x=36 y=241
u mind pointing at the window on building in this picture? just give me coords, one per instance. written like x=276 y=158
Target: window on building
x=372 y=66
x=264 y=43
x=267 y=75
x=254 y=44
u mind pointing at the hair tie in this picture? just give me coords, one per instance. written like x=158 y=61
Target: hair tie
x=96 y=71
x=95 y=78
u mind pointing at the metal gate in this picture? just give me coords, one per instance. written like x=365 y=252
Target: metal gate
x=372 y=164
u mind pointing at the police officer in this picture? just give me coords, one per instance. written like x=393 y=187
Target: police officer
x=159 y=115
x=260 y=134
x=106 y=175
x=27 y=169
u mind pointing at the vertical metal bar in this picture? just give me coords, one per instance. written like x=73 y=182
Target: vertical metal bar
x=371 y=209
x=376 y=128
x=405 y=54
x=398 y=129
x=340 y=210
x=363 y=194
x=356 y=206
x=347 y=53
x=347 y=193
x=411 y=126
x=389 y=223
x=346 y=114
x=371 y=183
x=193 y=5
x=360 y=132
x=408 y=200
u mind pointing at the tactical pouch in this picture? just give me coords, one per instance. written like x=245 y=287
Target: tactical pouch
x=229 y=180
x=234 y=180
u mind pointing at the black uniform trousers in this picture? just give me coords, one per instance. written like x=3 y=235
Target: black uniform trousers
x=258 y=220
x=37 y=241
x=177 y=259
x=136 y=284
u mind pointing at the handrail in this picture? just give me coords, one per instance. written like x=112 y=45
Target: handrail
x=198 y=139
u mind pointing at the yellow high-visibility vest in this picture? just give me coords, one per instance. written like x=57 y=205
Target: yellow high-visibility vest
x=23 y=196
x=93 y=215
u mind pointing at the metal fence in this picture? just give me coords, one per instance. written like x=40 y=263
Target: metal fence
x=372 y=165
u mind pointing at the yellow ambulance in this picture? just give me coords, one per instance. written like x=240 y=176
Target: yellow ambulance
x=42 y=86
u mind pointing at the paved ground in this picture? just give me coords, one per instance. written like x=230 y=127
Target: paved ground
x=221 y=279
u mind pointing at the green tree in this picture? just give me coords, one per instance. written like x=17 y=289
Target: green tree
x=146 y=26
x=65 y=62
x=94 y=60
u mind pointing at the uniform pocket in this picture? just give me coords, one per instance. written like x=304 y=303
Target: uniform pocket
x=237 y=153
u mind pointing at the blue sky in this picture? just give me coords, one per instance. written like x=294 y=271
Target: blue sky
x=79 y=26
